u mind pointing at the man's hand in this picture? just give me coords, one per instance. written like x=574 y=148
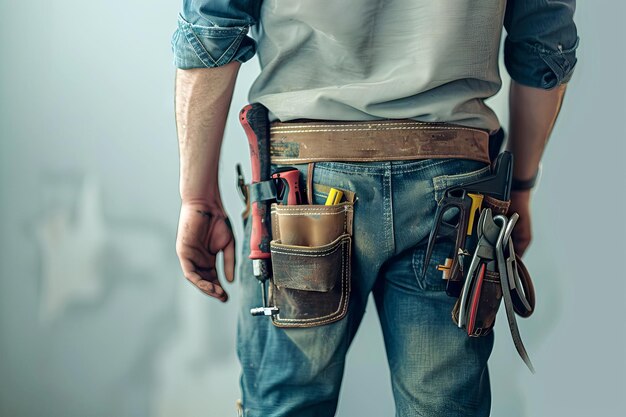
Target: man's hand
x=203 y=231
x=522 y=233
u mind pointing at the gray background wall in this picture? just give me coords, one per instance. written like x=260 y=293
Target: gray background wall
x=95 y=317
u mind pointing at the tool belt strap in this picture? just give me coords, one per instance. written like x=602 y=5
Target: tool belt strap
x=262 y=191
x=402 y=139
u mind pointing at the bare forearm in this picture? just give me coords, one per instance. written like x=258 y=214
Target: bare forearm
x=533 y=112
x=203 y=98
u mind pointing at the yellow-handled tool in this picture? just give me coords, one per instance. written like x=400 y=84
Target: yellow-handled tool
x=334 y=197
x=477 y=202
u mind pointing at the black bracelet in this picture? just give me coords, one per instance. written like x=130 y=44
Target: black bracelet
x=522 y=185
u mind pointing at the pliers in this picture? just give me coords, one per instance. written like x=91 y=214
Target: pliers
x=467 y=199
x=483 y=259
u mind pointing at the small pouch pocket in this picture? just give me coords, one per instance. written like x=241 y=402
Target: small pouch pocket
x=488 y=305
x=311 y=263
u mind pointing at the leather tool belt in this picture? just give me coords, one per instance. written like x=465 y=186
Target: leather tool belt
x=309 y=141
x=311 y=243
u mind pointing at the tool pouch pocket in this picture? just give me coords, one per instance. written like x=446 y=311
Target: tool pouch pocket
x=311 y=261
x=488 y=305
x=491 y=290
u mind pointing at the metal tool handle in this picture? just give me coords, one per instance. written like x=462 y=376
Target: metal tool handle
x=471 y=271
x=506 y=291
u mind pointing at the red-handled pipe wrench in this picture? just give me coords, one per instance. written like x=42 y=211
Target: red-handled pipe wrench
x=254 y=119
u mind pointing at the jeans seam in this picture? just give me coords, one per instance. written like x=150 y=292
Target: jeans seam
x=388 y=210
x=380 y=170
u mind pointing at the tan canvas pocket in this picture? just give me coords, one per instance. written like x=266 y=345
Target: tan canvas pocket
x=311 y=255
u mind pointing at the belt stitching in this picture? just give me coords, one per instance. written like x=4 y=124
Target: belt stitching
x=355 y=159
x=286 y=125
x=290 y=130
x=289 y=125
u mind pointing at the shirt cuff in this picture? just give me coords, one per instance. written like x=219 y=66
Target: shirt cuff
x=536 y=66
x=197 y=46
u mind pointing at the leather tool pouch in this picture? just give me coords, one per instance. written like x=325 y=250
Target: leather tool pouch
x=491 y=290
x=311 y=252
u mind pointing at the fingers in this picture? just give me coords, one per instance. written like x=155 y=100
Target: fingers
x=522 y=234
x=204 y=278
x=230 y=256
x=521 y=246
x=222 y=239
x=230 y=261
x=201 y=236
x=522 y=237
x=213 y=289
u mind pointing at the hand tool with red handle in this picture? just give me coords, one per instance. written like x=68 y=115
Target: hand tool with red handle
x=254 y=119
x=288 y=189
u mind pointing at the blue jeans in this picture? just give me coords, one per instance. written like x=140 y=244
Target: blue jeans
x=436 y=369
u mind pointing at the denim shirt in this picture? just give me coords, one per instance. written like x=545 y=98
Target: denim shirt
x=539 y=51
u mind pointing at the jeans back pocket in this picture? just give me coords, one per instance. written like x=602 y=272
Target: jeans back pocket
x=311 y=256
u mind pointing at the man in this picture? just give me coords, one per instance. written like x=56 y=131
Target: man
x=329 y=60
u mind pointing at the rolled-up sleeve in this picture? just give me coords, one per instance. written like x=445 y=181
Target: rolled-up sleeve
x=541 y=42
x=212 y=33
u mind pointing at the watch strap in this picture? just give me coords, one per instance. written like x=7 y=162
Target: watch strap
x=521 y=185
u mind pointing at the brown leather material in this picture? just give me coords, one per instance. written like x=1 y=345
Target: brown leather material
x=310 y=225
x=305 y=141
x=292 y=269
x=311 y=285
x=311 y=251
x=309 y=182
x=496 y=206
